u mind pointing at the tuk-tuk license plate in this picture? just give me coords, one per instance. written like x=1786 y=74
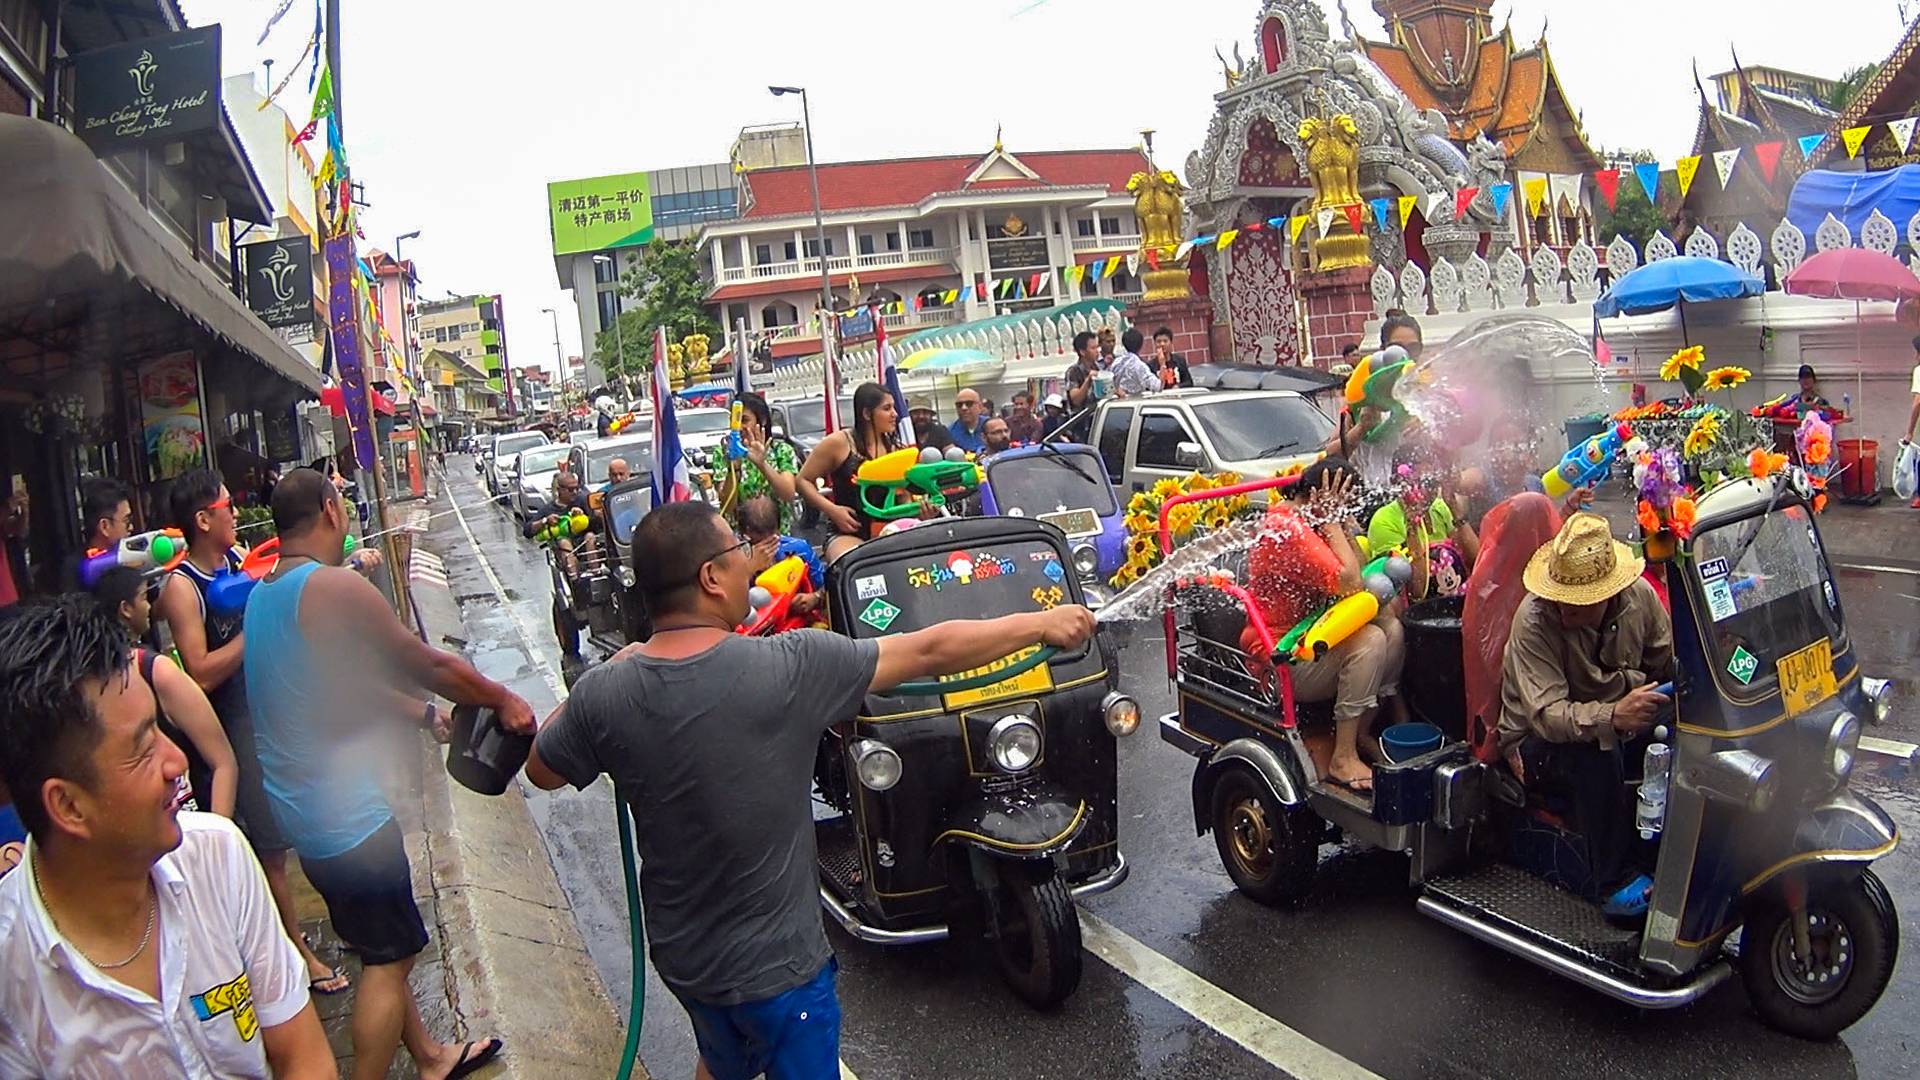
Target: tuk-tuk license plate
x=1806 y=677
x=1039 y=680
x=1075 y=523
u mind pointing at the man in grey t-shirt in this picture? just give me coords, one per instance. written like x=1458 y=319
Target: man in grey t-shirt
x=712 y=735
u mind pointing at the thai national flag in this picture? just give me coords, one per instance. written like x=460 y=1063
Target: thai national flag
x=890 y=378
x=670 y=480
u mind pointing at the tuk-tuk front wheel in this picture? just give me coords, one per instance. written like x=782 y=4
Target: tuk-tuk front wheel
x=1037 y=939
x=1269 y=850
x=1853 y=934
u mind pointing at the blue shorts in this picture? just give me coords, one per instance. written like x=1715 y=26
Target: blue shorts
x=791 y=1036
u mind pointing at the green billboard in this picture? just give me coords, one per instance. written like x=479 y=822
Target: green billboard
x=600 y=213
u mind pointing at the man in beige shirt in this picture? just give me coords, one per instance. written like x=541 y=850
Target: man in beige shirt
x=1588 y=647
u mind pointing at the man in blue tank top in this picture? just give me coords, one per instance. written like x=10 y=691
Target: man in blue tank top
x=327 y=664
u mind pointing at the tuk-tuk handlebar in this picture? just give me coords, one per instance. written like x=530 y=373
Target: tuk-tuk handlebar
x=928 y=687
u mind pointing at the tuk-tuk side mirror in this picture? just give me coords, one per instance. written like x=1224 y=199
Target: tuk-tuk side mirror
x=1187 y=455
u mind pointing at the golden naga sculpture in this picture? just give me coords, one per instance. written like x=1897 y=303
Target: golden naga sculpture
x=698 y=364
x=677 y=365
x=1158 y=207
x=1333 y=164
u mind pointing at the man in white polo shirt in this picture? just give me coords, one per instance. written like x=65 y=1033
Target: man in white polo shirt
x=135 y=940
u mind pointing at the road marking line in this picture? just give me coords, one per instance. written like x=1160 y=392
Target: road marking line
x=1879 y=569
x=533 y=652
x=1266 y=1038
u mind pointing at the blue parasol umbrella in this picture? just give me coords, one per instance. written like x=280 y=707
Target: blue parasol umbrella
x=1673 y=282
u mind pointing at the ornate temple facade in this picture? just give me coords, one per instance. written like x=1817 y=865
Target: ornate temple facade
x=1751 y=107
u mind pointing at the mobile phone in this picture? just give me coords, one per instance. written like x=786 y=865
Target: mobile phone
x=19 y=484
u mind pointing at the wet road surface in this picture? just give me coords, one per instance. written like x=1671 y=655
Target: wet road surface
x=1355 y=969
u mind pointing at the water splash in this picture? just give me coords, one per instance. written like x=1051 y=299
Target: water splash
x=1143 y=598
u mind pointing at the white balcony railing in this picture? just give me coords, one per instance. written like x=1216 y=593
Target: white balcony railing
x=906 y=320
x=1130 y=242
x=840 y=264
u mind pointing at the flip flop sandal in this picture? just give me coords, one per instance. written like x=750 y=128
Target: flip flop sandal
x=468 y=1064
x=313 y=985
x=1354 y=786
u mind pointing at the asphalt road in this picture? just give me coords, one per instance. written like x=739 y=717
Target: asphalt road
x=1197 y=980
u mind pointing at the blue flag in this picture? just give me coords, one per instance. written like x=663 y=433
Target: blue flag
x=1379 y=213
x=1808 y=143
x=1648 y=173
x=1501 y=193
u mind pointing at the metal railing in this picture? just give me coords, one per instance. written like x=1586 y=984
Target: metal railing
x=1107 y=242
x=840 y=264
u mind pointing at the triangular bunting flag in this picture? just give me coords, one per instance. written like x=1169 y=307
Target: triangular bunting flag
x=1809 y=143
x=1276 y=223
x=1407 y=203
x=1463 y=199
x=1903 y=131
x=1608 y=181
x=1153 y=258
x=949 y=296
x=323 y=97
x=918 y=301
x=1501 y=193
x=1723 y=164
x=1648 y=173
x=308 y=132
x=1768 y=155
x=1180 y=253
x=1352 y=210
x=1684 y=170
x=1534 y=187
x=1227 y=236
x=1854 y=138
x=1380 y=211
x=1255 y=227
x=1019 y=289
x=1435 y=200
x=1112 y=266
x=1295 y=225
x=1033 y=284
x=1565 y=186
x=966 y=294
x=1133 y=263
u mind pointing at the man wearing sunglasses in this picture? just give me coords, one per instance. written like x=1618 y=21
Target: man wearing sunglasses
x=569 y=498
x=712 y=735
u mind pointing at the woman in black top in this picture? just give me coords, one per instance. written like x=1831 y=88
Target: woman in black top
x=875 y=432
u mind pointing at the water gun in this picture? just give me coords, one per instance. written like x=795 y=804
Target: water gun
x=1372 y=384
x=736 y=446
x=620 y=424
x=149 y=552
x=1314 y=635
x=903 y=483
x=569 y=526
x=227 y=593
x=772 y=598
x=1586 y=463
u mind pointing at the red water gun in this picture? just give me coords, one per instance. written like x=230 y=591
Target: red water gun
x=772 y=597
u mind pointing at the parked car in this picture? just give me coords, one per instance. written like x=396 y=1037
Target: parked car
x=1255 y=433
x=533 y=473
x=500 y=454
x=702 y=431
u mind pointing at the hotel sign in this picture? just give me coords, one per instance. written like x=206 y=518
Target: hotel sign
x=157 y=89
x=279 y=277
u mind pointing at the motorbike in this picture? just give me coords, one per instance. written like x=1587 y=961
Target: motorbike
x=1066 y=486
x=1764 y=854
x=982 y=804
x=598 y=598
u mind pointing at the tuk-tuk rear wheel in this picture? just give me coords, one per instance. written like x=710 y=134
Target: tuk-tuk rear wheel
x=1855 y=936
x=1269 y=850
x=1037 y=941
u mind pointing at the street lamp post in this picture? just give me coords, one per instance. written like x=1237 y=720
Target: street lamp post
x=819 y=224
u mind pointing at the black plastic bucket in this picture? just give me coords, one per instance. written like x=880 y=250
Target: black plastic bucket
x=482 y=755
x=1433 y=682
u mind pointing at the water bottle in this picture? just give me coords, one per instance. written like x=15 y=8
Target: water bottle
x=1652 y=807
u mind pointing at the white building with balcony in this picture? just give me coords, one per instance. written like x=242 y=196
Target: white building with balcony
x=920 y=227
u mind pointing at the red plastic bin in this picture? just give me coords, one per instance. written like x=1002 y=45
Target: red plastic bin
x=1860 y=458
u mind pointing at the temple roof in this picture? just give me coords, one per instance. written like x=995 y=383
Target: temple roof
x=1444 y=56
x=1761 y=114
x=1891 y=92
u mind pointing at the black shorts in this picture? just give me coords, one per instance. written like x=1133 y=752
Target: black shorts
x=369 y=895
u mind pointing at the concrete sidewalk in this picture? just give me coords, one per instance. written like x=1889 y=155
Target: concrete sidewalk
x=503 y=957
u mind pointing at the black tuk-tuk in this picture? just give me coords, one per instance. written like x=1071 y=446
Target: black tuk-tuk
x=1763 y=852
x=985 y=801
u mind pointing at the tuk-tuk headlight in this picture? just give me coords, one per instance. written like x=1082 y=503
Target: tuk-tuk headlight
x=1014 y=744
x=876 y=763
x=1880 y=692
x=1121 y=713
x=1086 y=561
x=1843 y=745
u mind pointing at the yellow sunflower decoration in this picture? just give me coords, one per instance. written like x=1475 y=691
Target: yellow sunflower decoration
x=1688 y=357
x=1700 y=439
x=1163 y=490
x=1141 y=521
x=1181 y=519
x=1726 y=378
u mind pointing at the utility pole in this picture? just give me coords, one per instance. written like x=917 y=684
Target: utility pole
x=389 y=541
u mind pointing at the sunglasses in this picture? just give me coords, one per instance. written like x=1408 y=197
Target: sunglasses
x=222 y=503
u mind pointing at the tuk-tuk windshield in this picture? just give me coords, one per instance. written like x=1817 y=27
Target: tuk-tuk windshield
x=1766 y=594
x=626 y=508
x=1047 y=483
x=968 y=583
x=638 y=456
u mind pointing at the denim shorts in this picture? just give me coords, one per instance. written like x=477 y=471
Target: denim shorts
x=790 y=1036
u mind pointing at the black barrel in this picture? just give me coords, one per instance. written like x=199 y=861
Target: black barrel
x=1433 y=682
x=482 y=755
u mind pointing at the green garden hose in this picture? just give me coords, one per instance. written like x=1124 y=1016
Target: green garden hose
x=924 y=687
x=636 y=936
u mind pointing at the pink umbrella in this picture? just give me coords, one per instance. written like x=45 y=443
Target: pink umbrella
x=1854 y=274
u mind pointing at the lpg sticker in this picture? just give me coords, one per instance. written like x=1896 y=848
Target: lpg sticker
x=880 y=615
x=1713 y=568
x=1743 y=665
x=1720 y=599
x=1054 y=571
x=869 y=587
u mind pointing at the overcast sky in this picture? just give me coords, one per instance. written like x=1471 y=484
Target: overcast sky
x=457 y=117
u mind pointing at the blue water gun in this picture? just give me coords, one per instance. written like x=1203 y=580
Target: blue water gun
x=1586 y=463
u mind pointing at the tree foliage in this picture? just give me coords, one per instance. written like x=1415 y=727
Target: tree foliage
x=1632 y=216
x=670 y=292
x=1849 y=85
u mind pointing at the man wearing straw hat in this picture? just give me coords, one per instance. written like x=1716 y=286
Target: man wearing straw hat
x=1589 y=644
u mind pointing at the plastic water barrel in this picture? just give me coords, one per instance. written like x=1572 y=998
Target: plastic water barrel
x=1860 y=462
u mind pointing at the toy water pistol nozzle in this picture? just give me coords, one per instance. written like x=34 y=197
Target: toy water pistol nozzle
x=148 y=552
x=569 y=526
x=620 y=424
x=903 y=483
x=227 y=593
x=736 y=446
x=1586 y=463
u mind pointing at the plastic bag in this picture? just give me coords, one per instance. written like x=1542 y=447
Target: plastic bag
x=1906 y=470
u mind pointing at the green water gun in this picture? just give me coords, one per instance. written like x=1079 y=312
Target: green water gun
x=903 y=483
x=567 y=527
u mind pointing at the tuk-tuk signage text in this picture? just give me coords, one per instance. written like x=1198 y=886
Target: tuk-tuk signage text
x=1806 y=677
x=1038 y=680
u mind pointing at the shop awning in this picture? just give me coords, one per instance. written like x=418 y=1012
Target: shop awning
x=70 y=230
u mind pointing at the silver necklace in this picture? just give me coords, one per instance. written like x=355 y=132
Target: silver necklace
x=153 y=914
